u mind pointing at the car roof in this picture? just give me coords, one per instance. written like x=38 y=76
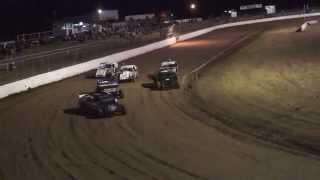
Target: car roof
x=129 y=66
x=106 y=64
x=100 y=95
x=166 y=71
x=108 y=81
x=168 y=63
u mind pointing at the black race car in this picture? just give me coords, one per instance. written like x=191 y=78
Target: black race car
x=165 y=79
x=100 y=105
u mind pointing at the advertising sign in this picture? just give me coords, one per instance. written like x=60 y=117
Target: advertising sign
x=251 y=6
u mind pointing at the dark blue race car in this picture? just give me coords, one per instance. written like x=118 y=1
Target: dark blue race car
x=110 y=86
x=100 y=105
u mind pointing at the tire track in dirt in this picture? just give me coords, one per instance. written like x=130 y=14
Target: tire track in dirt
x=163 y=136
x=94 y=161
x=277 y=132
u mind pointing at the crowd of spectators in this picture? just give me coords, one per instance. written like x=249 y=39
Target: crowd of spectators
x=125 y=30
x=128 y=30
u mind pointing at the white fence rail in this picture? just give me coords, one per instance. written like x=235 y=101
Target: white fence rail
x=207 y=30
x=54 y=76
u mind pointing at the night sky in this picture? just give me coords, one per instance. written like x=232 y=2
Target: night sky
x=17 y=16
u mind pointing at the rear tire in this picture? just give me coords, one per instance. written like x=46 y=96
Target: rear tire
x=156 y=84
x=123 y=110
x=161 y=86
x=106 y=112
x=121 y=94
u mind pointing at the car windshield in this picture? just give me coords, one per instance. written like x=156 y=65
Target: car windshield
x=108 y=66
x=104 y=97
x=164 y=75
x=170 y=66
x=127 y=69
x=111 y=86
x=108 y=77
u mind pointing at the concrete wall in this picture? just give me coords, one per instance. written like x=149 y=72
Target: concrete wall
x=54 y=76
x=204 y=31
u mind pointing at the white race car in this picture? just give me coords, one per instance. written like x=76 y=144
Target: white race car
x=128 y=73
x=106 y=69
x=109 y=87
x=169 y=66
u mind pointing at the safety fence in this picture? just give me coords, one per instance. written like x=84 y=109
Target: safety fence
x=57 y=75
x=48 y=58
x=47 y=61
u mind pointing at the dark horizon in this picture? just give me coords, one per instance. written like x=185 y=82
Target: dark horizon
x=26 y=16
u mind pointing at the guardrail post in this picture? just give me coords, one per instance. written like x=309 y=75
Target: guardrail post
x=11 y=66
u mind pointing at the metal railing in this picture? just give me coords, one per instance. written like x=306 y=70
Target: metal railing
x=41 y=62
x=31 y=65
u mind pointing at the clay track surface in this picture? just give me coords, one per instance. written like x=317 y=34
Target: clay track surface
x=162 y=137
x=269 y=89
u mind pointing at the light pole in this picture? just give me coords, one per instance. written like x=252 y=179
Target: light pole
x=193 y=7
x=99 y=11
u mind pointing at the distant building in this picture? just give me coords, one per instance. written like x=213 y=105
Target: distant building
x=140 y=17
x=79 y=24
x=252 y=9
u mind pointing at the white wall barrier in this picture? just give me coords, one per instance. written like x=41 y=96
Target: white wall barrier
x=54 y=76
x=207 y=30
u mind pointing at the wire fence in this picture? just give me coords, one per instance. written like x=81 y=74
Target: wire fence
x=31 y=64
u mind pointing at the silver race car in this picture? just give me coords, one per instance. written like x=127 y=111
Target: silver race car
x=128 y=73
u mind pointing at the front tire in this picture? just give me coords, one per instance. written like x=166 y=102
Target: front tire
x=121 y=94
x=107 y=113
x=161 y=85
x=177 y=86
x=122 y=110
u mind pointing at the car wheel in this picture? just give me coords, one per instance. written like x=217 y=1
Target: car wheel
x=123 y=110
x=107 y=113
x=155 y=84
x=83 y=111
x=121 y=95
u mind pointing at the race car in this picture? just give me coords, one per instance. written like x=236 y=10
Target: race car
x=128 y=73
x=100 y=105
x=107 y=69
x=165 y=79
x=169 y=66
x=109 y=86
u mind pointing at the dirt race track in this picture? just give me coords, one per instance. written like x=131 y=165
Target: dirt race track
x=165 y=135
